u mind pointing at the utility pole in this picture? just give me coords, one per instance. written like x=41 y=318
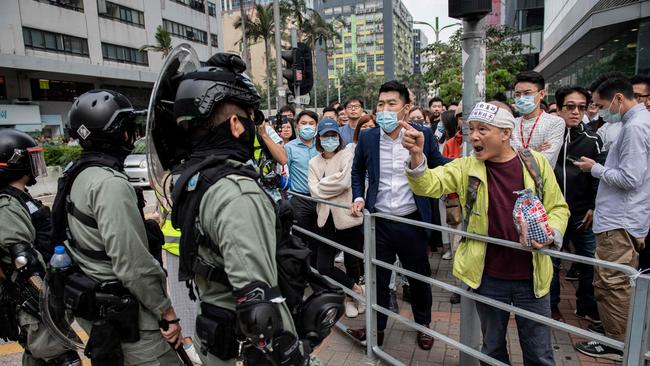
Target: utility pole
x=244 y=39
x=281 y=93
x=296 y=84
x=473 y=53
x=436 y=29
x=207 y=20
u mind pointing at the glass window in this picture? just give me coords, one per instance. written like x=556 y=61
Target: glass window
x=123 y=14
x=124 y=54
x=35 y=38
x=77 y=5
x=64 y=91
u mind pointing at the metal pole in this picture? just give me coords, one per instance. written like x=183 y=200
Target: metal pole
x=207 y=19
x=244 y=39
x=280 y=101
x=636 y=336
x=437 y=31
x=473 y=39
x=371 y=282
x=296 y=83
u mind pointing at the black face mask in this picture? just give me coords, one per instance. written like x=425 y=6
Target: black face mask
x=220 y=141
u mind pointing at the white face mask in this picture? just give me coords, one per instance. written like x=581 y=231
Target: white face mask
x=608 y=116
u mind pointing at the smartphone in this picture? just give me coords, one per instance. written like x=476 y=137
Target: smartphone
x=572 y=158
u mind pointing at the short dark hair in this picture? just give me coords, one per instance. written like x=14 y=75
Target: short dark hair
x=501 y=97
x=599 y=80
x=531 y=77
x=453 y=102
x=306 y=112
x=330 y=109
x=561 y=93
x=611 y=86
x=396 y=86
x=640 y=79
x=287 y=108
x=435 y=99
x=352 y=99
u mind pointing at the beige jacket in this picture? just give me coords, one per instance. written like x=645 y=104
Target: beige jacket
x=331 y=179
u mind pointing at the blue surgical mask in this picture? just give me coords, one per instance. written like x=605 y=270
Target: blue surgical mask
x=329 y=144
x=610 y=117
x=307 y=132
x=387 y=121
x=525 y=104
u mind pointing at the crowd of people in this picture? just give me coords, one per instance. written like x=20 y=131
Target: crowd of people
x=591 y=147
x=582 y=155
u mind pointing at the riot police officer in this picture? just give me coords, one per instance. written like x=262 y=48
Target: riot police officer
x=24 y=235
x=227 y=222
x=96 y=212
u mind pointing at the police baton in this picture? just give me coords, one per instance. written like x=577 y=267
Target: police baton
x=180 y=351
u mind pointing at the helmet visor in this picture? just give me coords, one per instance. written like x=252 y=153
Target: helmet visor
x=37 y=161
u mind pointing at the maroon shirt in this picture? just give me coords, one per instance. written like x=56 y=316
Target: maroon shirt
x=503 y=262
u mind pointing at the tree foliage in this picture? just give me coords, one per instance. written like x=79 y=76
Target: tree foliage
x=163 y=42
x=503 y=61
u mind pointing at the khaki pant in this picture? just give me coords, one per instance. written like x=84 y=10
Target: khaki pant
x=612 y=288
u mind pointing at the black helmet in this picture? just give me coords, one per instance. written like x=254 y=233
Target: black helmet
x=19 y=156
x=98 y=118
x=222 y=79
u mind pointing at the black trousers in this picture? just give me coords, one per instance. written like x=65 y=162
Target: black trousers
x=304 y=215
x=351 y=238
x=409 y=243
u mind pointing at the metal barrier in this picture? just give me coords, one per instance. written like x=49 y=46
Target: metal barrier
x=636 y=347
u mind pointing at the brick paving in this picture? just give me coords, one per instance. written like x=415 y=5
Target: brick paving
x=341 y=350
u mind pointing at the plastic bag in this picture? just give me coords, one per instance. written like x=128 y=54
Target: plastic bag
x=530 y=218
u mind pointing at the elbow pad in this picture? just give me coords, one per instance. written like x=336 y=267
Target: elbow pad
x=26 y=260
x=258 y=313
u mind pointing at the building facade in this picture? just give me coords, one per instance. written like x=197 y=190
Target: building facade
x=526 y=17
x=420 y=42
x=585 y=38
x=54 y=50
x=376 y=37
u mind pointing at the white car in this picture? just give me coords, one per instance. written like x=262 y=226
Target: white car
x=135 y=165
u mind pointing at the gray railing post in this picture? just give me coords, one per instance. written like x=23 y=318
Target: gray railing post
x=636 y=336
x=470 y=330
x=369 y=252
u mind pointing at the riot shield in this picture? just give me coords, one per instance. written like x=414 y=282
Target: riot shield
x=166 y=142
x=56 y=318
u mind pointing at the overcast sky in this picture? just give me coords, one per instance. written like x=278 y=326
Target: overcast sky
x=426 y=11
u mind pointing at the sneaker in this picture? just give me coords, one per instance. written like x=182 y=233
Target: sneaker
x=361 y=307
x=556 y=314
x=339 y=258
x=572 y=274
x=596 y=328
x=351 y=310
x=599 y=350
x=447 y=256
x=594 y=318
x=392 y=303
x=192 y=355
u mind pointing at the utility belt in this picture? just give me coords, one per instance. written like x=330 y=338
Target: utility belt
x=95 y=301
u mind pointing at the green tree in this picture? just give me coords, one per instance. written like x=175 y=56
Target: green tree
x=360 y=83
x=503 y=61
x=163 y=42
x=261 y=28
x=297 y=11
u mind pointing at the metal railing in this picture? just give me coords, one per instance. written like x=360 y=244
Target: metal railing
x=636 y=346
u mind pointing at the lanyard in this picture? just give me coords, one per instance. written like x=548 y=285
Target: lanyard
x=530 y=135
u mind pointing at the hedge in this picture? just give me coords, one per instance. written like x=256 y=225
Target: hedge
x=61 y=155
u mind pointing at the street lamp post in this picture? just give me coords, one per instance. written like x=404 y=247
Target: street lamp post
x=436 y=29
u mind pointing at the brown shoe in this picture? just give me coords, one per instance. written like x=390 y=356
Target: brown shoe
x=360 y=335
x=424 y=341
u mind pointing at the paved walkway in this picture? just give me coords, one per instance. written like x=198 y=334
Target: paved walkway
x=340 y=350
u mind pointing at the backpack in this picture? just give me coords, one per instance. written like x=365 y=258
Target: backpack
x=63 y=206
x=527 y=158
x=292 y=256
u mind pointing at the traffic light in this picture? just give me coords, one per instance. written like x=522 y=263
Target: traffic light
x=298 y=68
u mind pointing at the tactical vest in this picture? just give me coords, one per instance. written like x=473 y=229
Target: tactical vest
x=40 y=217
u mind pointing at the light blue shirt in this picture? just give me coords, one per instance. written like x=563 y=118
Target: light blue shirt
x=299 y=155
x=623 y=199
x=347 y=133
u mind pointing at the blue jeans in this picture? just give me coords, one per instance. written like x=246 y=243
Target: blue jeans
x=534 y=337
x=584 y=242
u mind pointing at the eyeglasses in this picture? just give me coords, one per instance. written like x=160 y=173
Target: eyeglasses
x=572 y=107
x=353 y=106
x=641 y=97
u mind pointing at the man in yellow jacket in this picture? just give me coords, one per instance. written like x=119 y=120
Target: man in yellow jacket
x=518 y=277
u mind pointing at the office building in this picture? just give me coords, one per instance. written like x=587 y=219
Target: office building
x=583 y=39
x=526 y=17
x=420 y=42
x=54 y=50
x=376 y=37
